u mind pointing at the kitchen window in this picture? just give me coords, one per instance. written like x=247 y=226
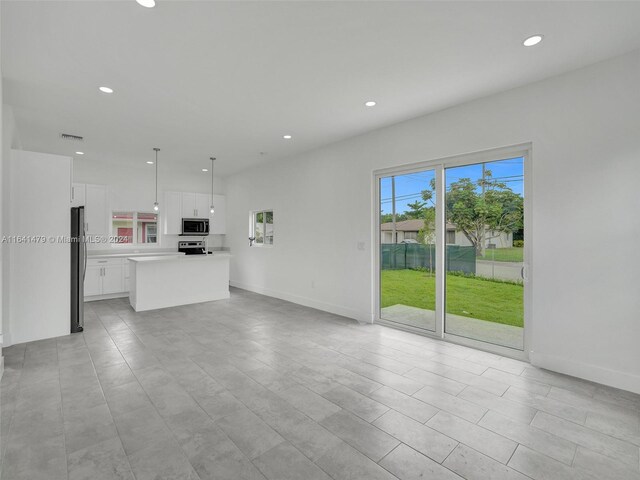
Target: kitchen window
x=261 y=228
x=134 y=228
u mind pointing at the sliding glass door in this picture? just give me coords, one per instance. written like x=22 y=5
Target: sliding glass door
x=407 y=249
x=471 y=214
x=484 y=209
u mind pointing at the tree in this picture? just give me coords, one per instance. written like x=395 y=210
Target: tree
x=388 y=217
x=426 y=235
x=417 y=209
x=479 y=207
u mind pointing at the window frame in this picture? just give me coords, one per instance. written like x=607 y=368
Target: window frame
x=253 y=216
x=134 y=228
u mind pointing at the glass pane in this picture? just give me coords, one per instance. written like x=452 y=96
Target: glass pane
x=147 y=228
x=122 y=227
x=268 y=236
x=407 y=249
x=258 y=228
x=484 y=208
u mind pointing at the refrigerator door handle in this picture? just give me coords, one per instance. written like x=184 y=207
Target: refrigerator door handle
x=84 y=247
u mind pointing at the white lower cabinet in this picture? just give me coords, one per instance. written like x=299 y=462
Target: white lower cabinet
x=105 y=277
x=125 y=275
x=93 y=281
x=112 y=279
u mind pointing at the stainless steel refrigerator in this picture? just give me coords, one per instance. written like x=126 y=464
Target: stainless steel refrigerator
x=78 y=268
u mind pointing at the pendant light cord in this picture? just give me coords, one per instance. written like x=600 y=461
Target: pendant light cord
x=156 y=150
x=212 y=160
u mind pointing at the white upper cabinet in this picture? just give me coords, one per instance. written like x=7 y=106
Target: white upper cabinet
x=96 y=212
x=218 y=221
x=172 y=213
x=179 y=205
x=195 y=205
x=78 y=195
x=188 y=205
x=203 y=204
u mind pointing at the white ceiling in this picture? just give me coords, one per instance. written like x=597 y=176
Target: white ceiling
x=231 y=78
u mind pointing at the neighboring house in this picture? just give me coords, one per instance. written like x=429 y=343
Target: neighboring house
x=408 y=230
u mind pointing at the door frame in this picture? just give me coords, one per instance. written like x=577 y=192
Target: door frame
x=439 y=165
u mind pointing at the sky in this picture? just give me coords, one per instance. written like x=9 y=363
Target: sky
x=410 y=186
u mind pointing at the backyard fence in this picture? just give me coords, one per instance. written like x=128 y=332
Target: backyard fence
x=395 y=256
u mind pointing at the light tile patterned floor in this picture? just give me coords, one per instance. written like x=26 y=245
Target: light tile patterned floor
x=255 y=388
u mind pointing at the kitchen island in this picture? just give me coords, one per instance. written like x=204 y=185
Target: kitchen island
x=169 y=281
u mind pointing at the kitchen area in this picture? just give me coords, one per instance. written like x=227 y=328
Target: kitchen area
x=109 y=240
x=153 y=276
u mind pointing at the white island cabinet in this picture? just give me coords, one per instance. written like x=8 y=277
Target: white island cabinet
x=160 y=282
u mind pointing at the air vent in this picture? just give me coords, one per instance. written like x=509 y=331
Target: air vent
x=74 y=138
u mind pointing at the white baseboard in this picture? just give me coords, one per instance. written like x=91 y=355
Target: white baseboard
x=592 y=373
x=106 y=297
x=362 y=317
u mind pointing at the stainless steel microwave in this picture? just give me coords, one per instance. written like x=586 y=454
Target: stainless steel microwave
x=195 y=226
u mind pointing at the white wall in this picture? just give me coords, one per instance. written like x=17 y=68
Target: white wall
x=133 y=188
x=1 y=207
x=39 y=272
x=10 y=139
x=584 y=127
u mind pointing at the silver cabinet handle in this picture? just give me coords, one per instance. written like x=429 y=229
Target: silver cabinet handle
x=102 y=261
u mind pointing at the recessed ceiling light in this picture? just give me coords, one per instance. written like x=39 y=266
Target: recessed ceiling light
x=106 y=90
x=79 y=153
x=149 y=162
x=205 y=169
x=532 y=40
x=287 y=137
x=370 y=103
x=147 y=3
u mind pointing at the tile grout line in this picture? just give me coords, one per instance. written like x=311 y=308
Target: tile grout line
x=102 y=389
x=10 y=429
x=64 y=431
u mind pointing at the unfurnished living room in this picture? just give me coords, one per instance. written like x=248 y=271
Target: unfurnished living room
x=319 y=240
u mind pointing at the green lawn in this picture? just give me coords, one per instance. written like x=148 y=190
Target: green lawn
x=468 y=297
x=511 y=254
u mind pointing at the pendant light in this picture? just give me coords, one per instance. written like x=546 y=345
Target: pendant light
x=156 y=206
x=211 y=209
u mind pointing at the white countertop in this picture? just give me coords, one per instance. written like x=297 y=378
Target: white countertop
x=136 y=254
x=182 y=258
